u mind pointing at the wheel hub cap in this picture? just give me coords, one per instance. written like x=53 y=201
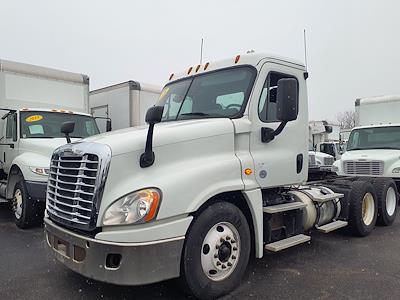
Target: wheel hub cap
x=17 y=203
x=220 y=251
x=368 y=209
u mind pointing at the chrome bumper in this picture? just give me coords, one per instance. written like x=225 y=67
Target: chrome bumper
x=117 y=263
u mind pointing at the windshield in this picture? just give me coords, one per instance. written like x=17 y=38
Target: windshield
x=39 y=124
x=374 y=138
x=222 y=93
x=328 y=149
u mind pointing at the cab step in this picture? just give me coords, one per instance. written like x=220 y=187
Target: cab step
x=332 y=226
x=287 y=243
x=273 y=209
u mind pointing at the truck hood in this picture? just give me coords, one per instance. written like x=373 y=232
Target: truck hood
x=165 y=133
x=44 y=147
x=319 y=154
x=372 y=154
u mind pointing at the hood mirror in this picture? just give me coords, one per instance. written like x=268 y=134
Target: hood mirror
x=67 y=128
x=153 y=116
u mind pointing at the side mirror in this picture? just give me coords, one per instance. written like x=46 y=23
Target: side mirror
x=287 y=98
x=328 y=129
x=67 y=128
x=108 y=125
x=153 y=116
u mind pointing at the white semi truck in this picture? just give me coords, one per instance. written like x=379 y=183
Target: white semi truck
x=219 y=175
x=373 y=147
x=124 y=103
x=35 y=102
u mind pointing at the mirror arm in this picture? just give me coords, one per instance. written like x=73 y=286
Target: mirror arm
x=147 y=158
x=68 y=138
x=268 y=134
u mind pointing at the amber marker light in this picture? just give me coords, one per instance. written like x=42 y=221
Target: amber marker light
x=248 y=171
x=190 y=70
x=197 y=68
x=154 y=198
x=237 y=59
x=206 y=66
x=172 y=75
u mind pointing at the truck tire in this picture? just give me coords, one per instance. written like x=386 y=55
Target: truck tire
x=363 y=208
x=387 y=195
x=27 y=211
x=216 y=251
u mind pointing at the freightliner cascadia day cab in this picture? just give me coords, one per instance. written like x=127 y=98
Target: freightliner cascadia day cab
x=219 y=175
x=373 y=147
x=125 y=103
x=35 y=102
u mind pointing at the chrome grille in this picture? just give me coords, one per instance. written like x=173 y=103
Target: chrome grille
x=328 y=161
x=75 y=184
x=374 y=168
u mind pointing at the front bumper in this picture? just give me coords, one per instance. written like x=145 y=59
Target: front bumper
x=37 y=189
x=118 y=263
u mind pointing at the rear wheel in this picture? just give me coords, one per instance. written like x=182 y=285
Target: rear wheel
x=27 y=211
x=363 y=208
x=216 y=251
x=387 y=196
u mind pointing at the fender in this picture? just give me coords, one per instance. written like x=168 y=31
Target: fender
x=20 y=167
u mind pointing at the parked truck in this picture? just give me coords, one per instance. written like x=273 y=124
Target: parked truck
x=325 y=138
x=218 y=175
x=373 y=148
x=34 y=102
x=124 y=103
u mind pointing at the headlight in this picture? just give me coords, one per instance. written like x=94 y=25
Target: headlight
x=40 y=171
x=396 y=170
x=335 y=168
x=137 y=207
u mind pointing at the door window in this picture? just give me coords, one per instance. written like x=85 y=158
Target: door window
x=267 y=106
x=11 y=130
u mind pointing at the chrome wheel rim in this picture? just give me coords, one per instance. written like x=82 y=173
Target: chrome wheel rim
x=17 y=203
x=390 y=201
x=368 y=209
x=220 y=251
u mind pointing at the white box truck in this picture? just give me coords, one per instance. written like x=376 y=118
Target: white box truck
x=35 y=102
x=373 y=148
x=124 y=103
x=218 y=175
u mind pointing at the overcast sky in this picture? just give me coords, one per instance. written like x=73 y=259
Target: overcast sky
x=353 y=46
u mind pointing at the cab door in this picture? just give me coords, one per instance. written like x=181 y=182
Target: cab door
x=8 y=144
x=283 y=160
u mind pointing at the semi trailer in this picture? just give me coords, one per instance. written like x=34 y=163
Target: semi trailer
x=34 y=102
x=124 y=103
x=218 y=175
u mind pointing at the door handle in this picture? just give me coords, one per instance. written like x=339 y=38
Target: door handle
x=11 y=145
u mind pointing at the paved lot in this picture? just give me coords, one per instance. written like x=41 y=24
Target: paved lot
x=333 y=266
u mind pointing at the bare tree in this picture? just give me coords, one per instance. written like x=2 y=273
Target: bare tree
x=346 y=119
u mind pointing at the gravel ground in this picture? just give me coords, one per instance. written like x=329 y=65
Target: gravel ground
x=332 y=266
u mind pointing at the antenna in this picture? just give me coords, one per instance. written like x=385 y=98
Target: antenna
x=305 y=48
x=201 y=51
x=305 y=54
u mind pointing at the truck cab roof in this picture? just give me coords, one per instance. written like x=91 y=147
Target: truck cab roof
x=377 y=125
x=254 y=59
x=55 y=110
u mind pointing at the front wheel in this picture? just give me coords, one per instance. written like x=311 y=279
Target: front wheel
x=27 y=211
x=216 y=251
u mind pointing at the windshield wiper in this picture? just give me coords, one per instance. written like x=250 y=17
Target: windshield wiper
x=195 y=114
